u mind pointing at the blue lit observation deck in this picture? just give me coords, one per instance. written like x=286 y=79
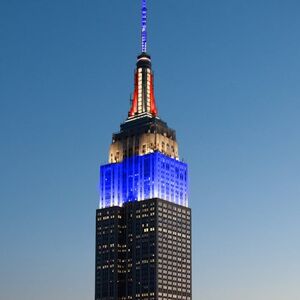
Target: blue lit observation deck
x=138 y=178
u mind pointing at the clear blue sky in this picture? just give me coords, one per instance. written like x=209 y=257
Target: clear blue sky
x=227 y=79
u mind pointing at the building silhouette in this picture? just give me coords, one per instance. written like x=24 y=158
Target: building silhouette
x=143 y=224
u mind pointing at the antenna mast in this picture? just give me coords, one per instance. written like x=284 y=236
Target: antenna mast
x=144 y=26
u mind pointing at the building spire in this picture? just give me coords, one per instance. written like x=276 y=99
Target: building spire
x=143 y=101
x=144 y=26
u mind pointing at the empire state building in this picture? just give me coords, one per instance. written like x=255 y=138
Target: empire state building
x=143 y=223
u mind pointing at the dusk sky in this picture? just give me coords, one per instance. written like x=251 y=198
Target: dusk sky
x=227 y=78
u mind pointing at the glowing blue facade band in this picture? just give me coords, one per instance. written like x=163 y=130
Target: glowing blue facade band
x=138 y=178
x=144 y=26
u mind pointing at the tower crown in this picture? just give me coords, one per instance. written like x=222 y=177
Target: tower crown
x=143 y=132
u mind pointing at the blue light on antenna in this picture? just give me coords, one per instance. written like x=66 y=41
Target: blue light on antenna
x=144 y=26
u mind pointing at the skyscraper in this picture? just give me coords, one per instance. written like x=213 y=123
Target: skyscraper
x=143 y=224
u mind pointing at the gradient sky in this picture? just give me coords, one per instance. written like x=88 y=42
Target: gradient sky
x=227 y=79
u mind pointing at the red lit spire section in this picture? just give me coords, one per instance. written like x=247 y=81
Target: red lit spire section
x=152 y=98
x=143 y=102
x=133 y=109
